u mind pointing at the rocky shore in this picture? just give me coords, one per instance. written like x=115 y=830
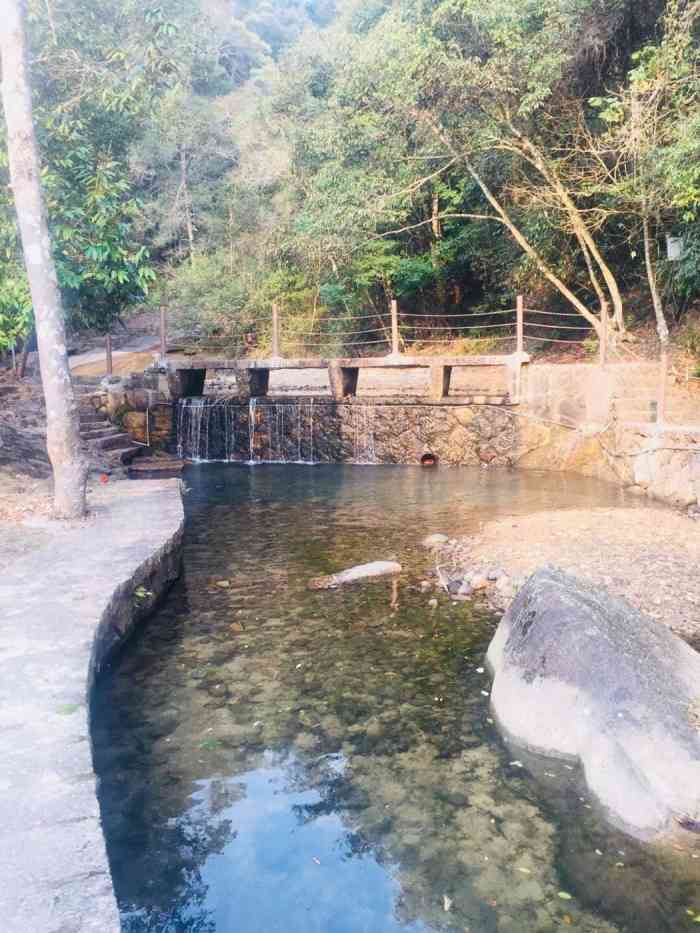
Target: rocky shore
x=649 y=556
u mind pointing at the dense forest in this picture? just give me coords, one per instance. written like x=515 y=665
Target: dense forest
x=216 y=156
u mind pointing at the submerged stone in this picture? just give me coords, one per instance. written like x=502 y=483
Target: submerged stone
x=377 y=568
x=582 y=674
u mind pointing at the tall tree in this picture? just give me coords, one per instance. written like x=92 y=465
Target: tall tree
x=63 y=436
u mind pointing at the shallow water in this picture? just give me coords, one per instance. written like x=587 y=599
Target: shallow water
x=279 y=759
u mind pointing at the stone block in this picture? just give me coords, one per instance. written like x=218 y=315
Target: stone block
x=465 y=416
x=134 y=422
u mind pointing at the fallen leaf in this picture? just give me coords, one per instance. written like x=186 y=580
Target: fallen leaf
x=224 y=584
x=567 y=919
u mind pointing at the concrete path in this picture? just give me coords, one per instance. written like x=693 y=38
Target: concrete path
x=65 y=603
x=136 y=345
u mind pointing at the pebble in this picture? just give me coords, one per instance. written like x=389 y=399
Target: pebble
x=435 y=540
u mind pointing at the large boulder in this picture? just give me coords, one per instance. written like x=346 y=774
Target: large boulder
x=581 y=674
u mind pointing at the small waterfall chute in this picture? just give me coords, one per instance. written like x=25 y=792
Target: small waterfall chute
x=259 y=431
x=364 y=450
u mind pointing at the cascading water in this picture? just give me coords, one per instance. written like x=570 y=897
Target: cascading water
x=252 y=412
x=207 y=429
x=263 y=431
x=363 y=441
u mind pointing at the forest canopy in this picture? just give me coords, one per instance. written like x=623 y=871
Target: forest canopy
x=216 y=156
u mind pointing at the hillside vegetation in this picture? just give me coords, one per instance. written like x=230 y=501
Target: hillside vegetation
x=219 y=156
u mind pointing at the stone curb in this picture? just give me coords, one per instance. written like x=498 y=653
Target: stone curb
x=67 y=606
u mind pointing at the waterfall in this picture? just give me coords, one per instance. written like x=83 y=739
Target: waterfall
x=311 y=430
x=206 y=429
x=261 y=431
x=252 y=411
x=363 y=430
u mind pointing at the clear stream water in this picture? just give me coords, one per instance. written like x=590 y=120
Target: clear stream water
x=273 y=758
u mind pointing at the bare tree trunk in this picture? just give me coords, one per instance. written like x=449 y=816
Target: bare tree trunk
x=661 y=325
x=583 y=235
x=25 y=355
x=504 y=217
x=188 y=205
x=62 y=429
x=435 y=223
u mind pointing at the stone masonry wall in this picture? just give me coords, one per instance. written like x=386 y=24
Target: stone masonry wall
x=327 y=431
x=572 y=417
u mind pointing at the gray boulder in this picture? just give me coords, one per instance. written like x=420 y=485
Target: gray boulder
x=581 y=674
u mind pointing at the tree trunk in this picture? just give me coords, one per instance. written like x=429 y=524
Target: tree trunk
x=583 y=235
x=62 y=428
x=25 y=355
x=661 y=325
x=504 y=217
x=188 y=206
x=435 y=222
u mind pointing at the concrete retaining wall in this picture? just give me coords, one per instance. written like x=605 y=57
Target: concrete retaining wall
x=67 y=603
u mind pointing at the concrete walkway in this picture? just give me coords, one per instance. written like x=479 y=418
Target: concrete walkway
x=66 y=604
x=136 y=345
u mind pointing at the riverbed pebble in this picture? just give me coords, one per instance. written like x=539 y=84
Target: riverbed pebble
x=435 y=540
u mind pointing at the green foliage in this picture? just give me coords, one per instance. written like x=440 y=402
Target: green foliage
x=15 y=307
x=331 y=158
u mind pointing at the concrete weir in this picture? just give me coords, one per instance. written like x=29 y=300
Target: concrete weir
x=67 y=604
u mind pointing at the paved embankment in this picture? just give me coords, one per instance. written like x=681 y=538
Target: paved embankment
x=65 y=603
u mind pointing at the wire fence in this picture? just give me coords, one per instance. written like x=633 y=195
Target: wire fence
x=501 y=331
x=666 y=397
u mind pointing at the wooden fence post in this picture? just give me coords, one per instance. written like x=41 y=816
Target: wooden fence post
x=394 y=327
x=275 y=331
x=108 y=353
x=520 y=324
x=163 y=335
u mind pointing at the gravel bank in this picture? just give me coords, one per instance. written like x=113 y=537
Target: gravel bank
x=650 y=556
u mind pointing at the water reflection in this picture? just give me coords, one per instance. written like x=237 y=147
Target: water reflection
x=274 y=758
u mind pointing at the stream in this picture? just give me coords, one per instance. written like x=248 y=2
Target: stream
x=273 y=758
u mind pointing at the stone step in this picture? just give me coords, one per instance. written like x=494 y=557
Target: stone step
x=86 y=426
x=152 y=466
x=94 y=432
x=126 y=454
x=85 y=402
x=112 y=442
x=85 y=389
x=92 y=417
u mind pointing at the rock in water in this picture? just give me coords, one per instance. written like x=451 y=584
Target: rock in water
x=377 y=568
x=580 y=673
x=435 y=541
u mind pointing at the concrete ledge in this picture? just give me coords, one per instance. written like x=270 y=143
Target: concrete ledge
x=66 y=605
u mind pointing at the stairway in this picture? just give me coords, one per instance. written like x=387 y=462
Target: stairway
x=99 y=435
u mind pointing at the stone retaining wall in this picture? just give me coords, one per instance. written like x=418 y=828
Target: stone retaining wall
x=326 y=431
x=575 y=417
